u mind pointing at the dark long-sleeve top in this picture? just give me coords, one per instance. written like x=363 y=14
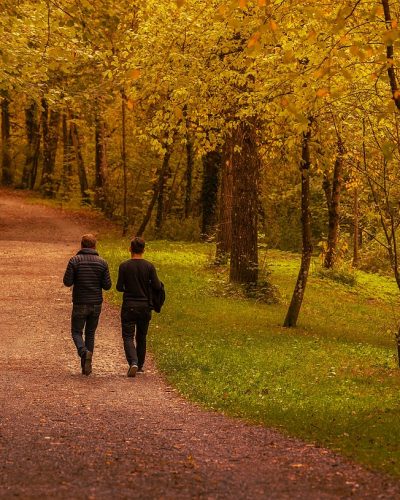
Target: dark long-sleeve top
x=136 y=277
x=89 y=275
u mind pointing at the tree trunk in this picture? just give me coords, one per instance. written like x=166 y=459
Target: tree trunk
x=67 y=158
x=100 y=161
x=156 y=190
x=390 y=57
x=334 y=209
x=83 y=182
x=6 y=164
x=298 y=294
x=246 y=166
x=124 y=169
x=50 y=126
x=32 y=125
x=356 y=230
x=224 y=225
x=189 y=175
x=211 y=168
x=160 y=215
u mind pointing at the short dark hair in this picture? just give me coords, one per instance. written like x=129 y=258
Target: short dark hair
x=137 y=245
x=88 y=241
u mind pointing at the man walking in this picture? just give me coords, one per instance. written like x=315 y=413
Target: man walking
x=137 y=278
x=89 y=275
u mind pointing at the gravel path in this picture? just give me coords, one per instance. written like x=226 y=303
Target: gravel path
x=63 y=435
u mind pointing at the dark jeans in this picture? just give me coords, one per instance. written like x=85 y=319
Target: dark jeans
x=85 y=318
x=135 y=321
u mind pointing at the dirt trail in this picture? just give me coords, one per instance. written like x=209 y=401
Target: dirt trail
x=66 y=436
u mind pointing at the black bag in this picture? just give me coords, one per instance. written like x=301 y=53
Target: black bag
x=157 y=297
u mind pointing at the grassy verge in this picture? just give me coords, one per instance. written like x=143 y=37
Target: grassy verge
x=333 y=380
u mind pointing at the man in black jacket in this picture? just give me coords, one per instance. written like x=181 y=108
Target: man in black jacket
x=136 y=279
x=89 y=275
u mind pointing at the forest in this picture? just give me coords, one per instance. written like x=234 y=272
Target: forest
x=253 y=124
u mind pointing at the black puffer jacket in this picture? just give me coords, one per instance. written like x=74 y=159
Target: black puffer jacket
x=89 y=274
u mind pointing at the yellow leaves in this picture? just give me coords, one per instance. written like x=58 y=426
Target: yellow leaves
x=179 y=3
x=347 y=74
x=284 y=102
x=288 y=57
x=273 y=25
x=223 y=10
x=377 y=11
x=395 y=24
x=322 y=92
x=390 y=36
x=262 y=3
x=130 y=104
x=135 y=74
x=312 y=36
x=354 y=50
x=254 y=40
x=319 y=73
x=178 y=113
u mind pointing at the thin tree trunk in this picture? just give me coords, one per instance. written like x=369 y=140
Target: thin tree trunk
x=100 y=161
x=246 y=166
x=32 y=126
x=160 y=215
x=156 y=190
x=67 y=158
x=6 y=164
x=50 y=128
x=391 y=71
x=356 y=236
x=124 y=169
x=212 y=163
x=334 y=209
x=189 y=175
x=298 y=294
x=83 y=182
x=224 y=225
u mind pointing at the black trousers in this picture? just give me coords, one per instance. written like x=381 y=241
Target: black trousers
x=84 y=321
x=135 y=321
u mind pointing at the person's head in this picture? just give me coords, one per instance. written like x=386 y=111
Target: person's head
x=137 y=246
x=88 y=241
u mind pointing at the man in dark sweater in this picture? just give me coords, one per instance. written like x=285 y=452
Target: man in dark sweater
x=89 y=275
x=136 y=278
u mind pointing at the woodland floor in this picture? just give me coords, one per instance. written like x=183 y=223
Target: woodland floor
x=64 y=435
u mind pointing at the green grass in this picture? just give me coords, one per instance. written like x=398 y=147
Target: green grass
x=333 y=380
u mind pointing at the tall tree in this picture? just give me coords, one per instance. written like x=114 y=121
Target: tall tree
x=332 y=192
x=32 y=127
x=245 y=176
x=209 y=193
x=50 y=132
x=6 y=164
x=224 y=223
x=298 y=293
x=83 y=182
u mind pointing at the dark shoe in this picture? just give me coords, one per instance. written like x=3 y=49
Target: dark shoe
x=87 y=368
x=83 y=364
x=132 y=370
x=140 y=370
